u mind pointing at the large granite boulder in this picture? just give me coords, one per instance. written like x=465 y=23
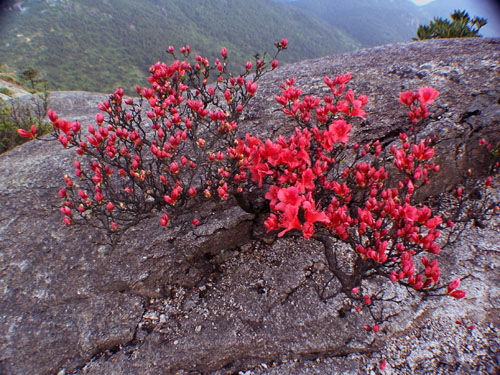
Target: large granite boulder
x=220 y=299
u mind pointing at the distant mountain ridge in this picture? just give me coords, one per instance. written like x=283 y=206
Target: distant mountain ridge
x=371 y=22
x=98 y=45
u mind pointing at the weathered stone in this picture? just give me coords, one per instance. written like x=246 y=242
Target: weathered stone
x=14 y=90
x=465 y=111
x=212 y=300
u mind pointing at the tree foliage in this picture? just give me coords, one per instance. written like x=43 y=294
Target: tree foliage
x=75 y=43
x=30 y=76
x=460 y=26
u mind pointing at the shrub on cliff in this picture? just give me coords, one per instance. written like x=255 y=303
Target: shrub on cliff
x=460 y=26
x=18 y=114
x=178 y=145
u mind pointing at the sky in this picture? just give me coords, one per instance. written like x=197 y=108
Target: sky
x=422 y=2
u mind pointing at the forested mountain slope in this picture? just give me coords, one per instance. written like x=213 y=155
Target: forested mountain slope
x=98 y=45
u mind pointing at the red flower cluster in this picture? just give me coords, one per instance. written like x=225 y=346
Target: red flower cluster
x=25 y=134
x=177 y=144
x=308 y=191
x=417 y=102
x=139 y=167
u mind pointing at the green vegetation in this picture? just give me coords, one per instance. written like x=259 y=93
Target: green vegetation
x=95 y=45
x=15 y=115
x=9 y=76
x=30 y=76
x=460 y=26
x=22 y=113
x=5 y=91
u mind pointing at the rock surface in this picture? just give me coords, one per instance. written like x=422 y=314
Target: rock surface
x=13 y=90
x=214 y=300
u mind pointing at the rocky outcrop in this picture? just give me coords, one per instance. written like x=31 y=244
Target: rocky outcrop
x=217 y=300
x=13 y=90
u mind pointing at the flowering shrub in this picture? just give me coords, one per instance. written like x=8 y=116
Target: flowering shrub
x=164 y=150
x=352 y=202
x=366 y=200
x=178 y=144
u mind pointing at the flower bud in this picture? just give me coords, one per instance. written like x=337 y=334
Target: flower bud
x=62 y=193
x=164 y=220
x=454 y=285
x=488 y=181
x=99 y=118
x=52 y=115
x=394 y=276
x=25 y=134
x=458 y=294
x=174 y=167
x=207 y=193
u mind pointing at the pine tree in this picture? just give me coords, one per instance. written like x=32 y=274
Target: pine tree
x=460 y=26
